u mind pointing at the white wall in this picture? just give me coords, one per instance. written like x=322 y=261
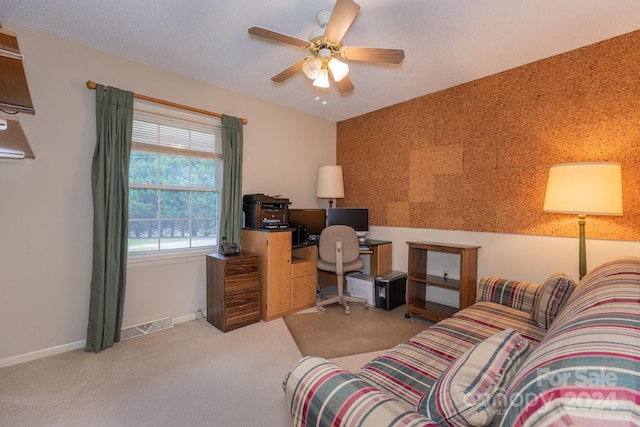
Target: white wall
x=46 y=208
x=511 y=256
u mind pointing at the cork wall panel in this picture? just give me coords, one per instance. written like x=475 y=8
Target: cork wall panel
x=476 y=157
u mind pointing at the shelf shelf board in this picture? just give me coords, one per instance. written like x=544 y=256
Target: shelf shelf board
x=437 y=281
x=431 y=310
x=441 y=282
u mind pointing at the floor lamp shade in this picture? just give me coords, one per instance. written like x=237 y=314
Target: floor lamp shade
x=584 y=189
x=330 y=183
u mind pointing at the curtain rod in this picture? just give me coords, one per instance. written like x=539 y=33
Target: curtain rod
x=92 y=85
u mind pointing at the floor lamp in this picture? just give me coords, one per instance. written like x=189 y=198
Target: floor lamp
x=584 y=189
x=330 y=184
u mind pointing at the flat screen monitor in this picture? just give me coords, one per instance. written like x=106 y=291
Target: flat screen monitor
x=356 y=218
x=313 y=219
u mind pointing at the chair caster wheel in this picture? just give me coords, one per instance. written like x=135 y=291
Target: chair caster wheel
x=407 y=316
x=320 y=308
x=347 y=312
x=366 y=305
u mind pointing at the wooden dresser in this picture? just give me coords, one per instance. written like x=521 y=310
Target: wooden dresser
x=233 y=290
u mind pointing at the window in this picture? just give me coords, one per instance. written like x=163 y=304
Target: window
x=175 y=180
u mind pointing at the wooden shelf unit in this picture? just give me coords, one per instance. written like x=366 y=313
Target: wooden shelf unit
x=418 y=281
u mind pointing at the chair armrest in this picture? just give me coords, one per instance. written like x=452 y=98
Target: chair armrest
x=318 y=392
x=511 y=293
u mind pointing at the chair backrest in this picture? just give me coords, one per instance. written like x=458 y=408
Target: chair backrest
x=350 y=244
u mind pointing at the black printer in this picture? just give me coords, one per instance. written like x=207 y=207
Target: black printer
x=262 y=211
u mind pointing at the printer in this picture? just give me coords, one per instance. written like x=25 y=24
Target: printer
x=262 y=211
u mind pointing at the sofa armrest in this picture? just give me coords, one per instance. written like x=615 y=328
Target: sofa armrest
x=511 y=293
x=318 y=392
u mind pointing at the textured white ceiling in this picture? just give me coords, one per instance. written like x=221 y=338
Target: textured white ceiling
x=446 y=42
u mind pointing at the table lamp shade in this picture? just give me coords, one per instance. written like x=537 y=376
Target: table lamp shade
x=330 y=184
x=584 y=188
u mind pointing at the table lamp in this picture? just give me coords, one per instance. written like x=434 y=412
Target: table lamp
x=330 y=184
x=584 y=189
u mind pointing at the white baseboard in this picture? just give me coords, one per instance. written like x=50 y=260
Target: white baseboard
x=185 y=318
x=39 y=354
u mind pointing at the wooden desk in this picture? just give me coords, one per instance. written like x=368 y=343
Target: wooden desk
x=380 y=259
x=379 y=252
x=287 y=274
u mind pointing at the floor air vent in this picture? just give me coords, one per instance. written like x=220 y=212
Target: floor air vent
x=146 y=328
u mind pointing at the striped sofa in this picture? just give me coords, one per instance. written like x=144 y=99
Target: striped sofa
x=523 y=355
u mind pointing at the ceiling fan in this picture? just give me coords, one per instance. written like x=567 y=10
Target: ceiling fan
x=326 y=50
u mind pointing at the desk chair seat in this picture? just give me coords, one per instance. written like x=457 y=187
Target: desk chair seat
x=338 y=252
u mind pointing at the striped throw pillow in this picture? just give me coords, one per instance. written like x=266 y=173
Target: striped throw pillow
x=551 y=297
x=469 y=391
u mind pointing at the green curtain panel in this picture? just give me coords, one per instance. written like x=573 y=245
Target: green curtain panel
x=110 y=182
x=231 y=221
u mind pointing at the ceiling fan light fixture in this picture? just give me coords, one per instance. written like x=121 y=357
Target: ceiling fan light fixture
x=318 y=32
x=312 y=67
x=322 y=80
x=325 y=46
x=324 y=52
x=322 y=17
x=339 y=69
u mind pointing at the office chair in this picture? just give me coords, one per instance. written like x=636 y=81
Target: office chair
x=338 y=252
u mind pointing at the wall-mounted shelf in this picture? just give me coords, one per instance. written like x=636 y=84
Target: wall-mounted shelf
x=14 y=91
x=14 y=98
x=13 y=142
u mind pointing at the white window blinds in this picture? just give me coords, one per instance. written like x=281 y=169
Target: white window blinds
x=159 y=133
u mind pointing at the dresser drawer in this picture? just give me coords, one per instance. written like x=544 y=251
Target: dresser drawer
x=302 y=267
x=243 y=282
x=242 y=309
x=240 y=302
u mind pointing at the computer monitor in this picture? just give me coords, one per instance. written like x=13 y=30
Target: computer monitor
x=313 y=219
x=356 y=218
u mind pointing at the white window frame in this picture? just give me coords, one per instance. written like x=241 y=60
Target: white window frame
x=164 y=256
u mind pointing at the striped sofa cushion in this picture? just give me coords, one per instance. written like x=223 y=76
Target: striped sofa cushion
x=322 y=394
x=586 y=371
x=409 y=370
x=553 y=295
x=511 y=293
x=596 y=288
x=470 y=390
x=495 y=317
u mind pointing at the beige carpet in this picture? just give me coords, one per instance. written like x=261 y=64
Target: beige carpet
x=190 y=375
x=331 y=333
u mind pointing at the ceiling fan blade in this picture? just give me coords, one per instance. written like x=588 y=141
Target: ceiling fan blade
x=345 y=85
x=344 y=12
x=289 y=72
x=279 y=37
x=372 y=54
